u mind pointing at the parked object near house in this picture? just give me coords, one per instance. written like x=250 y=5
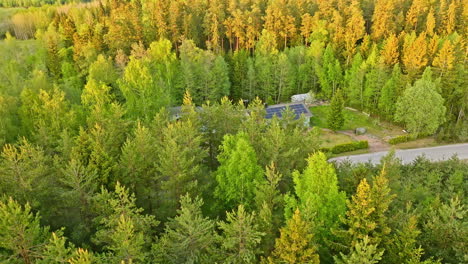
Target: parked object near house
x=360 y=131
x=302 y=98
x=298 y=109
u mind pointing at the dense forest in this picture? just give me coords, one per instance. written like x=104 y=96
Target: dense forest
x=95 y=168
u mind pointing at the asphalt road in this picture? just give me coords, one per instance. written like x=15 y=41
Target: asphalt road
x=408 y=155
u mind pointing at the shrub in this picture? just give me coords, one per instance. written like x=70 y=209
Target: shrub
x=401 y=139
x=363 y=144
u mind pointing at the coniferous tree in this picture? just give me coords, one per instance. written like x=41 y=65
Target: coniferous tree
x=269 y=204
x=179 y=166
x=21 y=235
x=363 y=252
x=296 y=243
x=390 y=93
x=122 y=228
x=189 y=237
x=335 y=115
x=240 y=237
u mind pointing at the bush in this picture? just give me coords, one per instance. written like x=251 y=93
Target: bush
x=401 y=139
x=347 y=147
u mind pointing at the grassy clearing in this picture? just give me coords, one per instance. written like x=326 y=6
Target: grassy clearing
x=330 y=139
x=354 y=119
x=418 y=143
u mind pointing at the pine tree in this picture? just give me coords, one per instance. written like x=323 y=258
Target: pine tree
x=363 y=252
x=238 y=174
x=23 y=169
x=77 y=188
x=82 y=256
x=335 y=115
x=444 y=233
x=366 y=220
x=240 y=237
x=122 y=228
x=138 y=163
x=21 y=235
x=358 y=218
x=189 y=237
x=56 y=250
x=179 y=166
x=295 y=244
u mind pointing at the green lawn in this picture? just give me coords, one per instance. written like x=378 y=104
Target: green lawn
x=419 y=143
x=330 y=139
x=354 y=119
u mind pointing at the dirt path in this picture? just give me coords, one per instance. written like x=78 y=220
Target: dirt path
x=375 y=143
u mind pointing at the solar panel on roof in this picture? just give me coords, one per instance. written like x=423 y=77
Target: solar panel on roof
x=278 y=111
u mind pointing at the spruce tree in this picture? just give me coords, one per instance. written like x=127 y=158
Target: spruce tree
x=335 y=115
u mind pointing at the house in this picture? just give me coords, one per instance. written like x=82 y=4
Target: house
x=298 y=109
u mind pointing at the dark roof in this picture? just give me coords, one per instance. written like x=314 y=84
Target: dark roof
x=298 y=108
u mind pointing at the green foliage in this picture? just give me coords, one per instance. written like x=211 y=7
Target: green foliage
x=86 y=97
x=318 y=197
x=143 y=96
x=335 y=116
x=400 y=139
x=21 y=235
x=189 y=237
x=295 y=244
x=421 y=108
x=341 y=148
x=238 y=174
x=447 y=230
x=240 y=237
x=363 y=252
x=122 y=228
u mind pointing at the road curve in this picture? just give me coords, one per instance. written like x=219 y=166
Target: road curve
x=408 y=155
